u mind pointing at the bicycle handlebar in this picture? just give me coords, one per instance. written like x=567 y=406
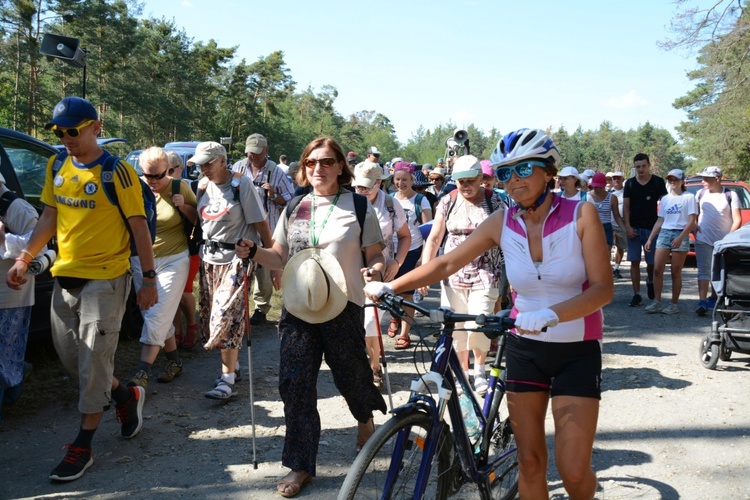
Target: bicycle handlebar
x=395 y=305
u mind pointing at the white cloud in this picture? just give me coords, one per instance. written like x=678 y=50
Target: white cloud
x=463 y=118
x=186 y=3
x=629 y=100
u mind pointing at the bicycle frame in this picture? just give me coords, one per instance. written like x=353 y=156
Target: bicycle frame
x=446 y=374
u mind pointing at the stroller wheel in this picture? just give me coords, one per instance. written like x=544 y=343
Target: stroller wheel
x=724 y=353
x=709 y=353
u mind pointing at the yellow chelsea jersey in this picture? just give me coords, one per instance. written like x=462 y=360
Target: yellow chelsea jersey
x=92 y=239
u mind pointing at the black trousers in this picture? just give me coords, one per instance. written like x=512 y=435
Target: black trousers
x=303 y=345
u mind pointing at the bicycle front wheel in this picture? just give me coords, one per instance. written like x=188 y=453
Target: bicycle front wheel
x=403 y=438
x=503 y=481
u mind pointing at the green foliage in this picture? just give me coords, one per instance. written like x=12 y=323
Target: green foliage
x=152 y=84
x=718 y=108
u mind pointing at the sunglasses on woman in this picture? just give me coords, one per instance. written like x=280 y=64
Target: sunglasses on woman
x=71 y=131
x=326 y=162
x=523 y=170
x=155 y=177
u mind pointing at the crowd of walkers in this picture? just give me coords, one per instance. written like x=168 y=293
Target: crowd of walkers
x=319 y=230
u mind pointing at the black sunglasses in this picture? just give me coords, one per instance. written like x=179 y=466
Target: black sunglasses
x=155 y=177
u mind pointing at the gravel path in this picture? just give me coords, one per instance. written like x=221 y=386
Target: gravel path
x=668 y=427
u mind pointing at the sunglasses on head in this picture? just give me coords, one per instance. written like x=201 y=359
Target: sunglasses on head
x=523 y=169
x=326 y=162
x=71 y=131
x=155 y=177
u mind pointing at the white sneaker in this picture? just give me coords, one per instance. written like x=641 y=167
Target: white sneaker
x=480 y=384
x=671 y=309
x=654 y=307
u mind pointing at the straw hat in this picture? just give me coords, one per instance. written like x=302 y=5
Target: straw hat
x=314 y=286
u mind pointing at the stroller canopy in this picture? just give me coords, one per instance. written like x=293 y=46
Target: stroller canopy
x=736 y=241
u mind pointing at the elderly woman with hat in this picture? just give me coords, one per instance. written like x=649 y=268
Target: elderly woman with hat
x=368 y=177
x=229 y=209
x=418 y=211
x=437 y=178
x=329 y=243
x=475 y=287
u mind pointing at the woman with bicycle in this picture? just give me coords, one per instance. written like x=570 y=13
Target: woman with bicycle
x=330 y=256
x=558 y=265
x=475 y=288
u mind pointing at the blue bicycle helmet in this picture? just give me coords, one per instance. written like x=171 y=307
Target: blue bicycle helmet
x=524 y=144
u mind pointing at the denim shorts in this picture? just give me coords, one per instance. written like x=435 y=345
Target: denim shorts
x=666 y=236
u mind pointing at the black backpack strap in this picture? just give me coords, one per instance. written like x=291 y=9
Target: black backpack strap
x=292 y=205
x=176 y=190
x=360 y=209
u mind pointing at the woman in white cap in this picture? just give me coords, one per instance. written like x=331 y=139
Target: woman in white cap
x=475 y=287
x=333 y=244
x=571 y=184
x=17 y=220
x=229 y=209
x=678 y=212
x=368 y=177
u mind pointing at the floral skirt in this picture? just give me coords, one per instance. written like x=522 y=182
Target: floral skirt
x=223 y=308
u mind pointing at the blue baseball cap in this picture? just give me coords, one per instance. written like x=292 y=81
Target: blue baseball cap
x=71 y=111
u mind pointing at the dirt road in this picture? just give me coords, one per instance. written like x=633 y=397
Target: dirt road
x=668 y=427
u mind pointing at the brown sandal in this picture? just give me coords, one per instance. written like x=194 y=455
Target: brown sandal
x=282 y=485
x=394 y=327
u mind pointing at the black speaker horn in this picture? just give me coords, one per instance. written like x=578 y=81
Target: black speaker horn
x=64 y=47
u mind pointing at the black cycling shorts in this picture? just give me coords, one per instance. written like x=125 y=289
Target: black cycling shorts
x=561 y=368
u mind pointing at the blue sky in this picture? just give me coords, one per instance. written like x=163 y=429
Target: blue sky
x=493 y=63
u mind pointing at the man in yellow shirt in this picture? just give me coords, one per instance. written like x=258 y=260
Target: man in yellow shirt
x=92 y=272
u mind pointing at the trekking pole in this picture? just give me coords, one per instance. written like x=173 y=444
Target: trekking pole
x=246 y=265
x=383 y=360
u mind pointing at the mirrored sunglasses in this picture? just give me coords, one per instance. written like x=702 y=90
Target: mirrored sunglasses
x=523 y=169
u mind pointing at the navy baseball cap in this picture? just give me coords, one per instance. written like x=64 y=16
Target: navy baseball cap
x=71 y=111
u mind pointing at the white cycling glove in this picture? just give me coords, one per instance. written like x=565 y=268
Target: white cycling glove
x=376 y=289
x=534 y=321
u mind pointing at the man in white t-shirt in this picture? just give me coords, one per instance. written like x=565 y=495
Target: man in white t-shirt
x=275 y=190
x=282 y=164
x=718 y=215
x=620 y=239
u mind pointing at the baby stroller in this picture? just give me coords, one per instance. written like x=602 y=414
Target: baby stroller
x=730 y=276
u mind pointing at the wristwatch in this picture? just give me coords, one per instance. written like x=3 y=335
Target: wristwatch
x=149 y=274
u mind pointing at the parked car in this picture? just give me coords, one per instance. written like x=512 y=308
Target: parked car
x=23 y=162
x=694 y=185
x=186 y=150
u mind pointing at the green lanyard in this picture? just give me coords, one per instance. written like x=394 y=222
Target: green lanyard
x=313 y=237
